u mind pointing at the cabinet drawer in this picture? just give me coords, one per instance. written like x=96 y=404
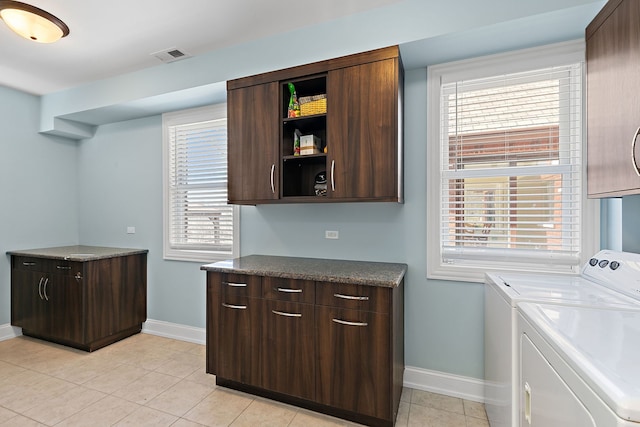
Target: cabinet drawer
x=28 y=263
x=357 y=297
x=288 y=289
x=44 y=265
x=236 y=285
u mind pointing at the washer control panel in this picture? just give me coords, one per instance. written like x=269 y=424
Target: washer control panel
x=616 y=270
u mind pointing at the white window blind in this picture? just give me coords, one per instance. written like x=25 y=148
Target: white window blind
x=510 y=179
x=199 y=224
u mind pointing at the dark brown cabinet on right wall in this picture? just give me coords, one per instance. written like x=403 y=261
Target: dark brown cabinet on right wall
x=358 y=132
x=613 y=107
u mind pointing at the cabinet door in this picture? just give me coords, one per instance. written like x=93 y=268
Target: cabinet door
x=233 y=327
x=64 y=296
x=362 y=131
x=253 y=143
x=288 y=353
x=29 y=309
x=613 y=109
x=353 y=361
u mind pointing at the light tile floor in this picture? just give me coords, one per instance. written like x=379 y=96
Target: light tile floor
x=147 y=380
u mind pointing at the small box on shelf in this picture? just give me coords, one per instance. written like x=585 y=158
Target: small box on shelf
x=309 y=144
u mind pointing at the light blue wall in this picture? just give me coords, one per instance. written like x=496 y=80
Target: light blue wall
x=121 y=186
x=38 y=186
x=631 y=224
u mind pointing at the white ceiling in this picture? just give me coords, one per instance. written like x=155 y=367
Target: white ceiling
x=109 y=38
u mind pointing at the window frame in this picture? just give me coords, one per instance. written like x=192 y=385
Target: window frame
x=485 y=67
x=186 y=253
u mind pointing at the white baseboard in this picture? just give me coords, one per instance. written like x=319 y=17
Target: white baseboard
x=175 y=331
x=7 y=332
x=443 y=383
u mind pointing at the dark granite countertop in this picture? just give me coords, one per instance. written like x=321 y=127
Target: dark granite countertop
x=325 y=270
x=78 y=252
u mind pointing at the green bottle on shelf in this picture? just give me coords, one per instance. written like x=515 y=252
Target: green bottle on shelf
x=294 y=105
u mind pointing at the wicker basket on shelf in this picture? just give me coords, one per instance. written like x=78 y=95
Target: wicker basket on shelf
x=310 y=105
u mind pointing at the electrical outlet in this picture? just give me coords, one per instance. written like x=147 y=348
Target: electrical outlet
x=331 y=234
x=131 y=230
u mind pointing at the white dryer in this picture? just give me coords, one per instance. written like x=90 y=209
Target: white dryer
x=594 y=287
x=579 y=366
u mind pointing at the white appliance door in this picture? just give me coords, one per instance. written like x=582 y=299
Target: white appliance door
x=545 y=399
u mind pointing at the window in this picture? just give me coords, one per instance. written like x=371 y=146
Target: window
x=199 y=225
x=505 y=172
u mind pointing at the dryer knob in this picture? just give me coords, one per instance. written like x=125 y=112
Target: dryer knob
x=603 y=263
x=593 y=262
x=614 y=265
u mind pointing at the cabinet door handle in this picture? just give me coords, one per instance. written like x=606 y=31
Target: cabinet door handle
x=351 y=297
x=29 y=264
x=40 y=288
x=273 y=169
x=235 y=307
x=63 y=267
x=346 y=322
x=282 y=313
x=235 y=285
x=634 y=161
x=289 y=291
x=333 y=181
x=527 y=403
x=44 y=289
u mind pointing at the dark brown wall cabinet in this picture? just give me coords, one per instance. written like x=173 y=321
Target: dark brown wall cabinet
x=86 y=304
x=331 y=347
x=360 y=149
x=613 y=109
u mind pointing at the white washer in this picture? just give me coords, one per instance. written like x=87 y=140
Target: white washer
x=579 y=366
x=594 y=287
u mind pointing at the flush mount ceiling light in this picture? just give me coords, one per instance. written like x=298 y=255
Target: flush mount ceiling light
x=32 y=23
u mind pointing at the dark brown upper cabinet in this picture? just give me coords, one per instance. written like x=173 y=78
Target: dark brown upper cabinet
x=613 y=110
x=358 y=135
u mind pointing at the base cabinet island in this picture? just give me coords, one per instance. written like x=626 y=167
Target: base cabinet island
x=327 y=335
x=85 y=297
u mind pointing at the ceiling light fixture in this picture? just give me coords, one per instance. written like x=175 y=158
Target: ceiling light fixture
x=31 y=22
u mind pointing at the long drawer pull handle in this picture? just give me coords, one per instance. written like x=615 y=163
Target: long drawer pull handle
x=634 y=161
x=29 y=264
x=333 y=181
x=235 y=285
x=44 y=289
x=351 y=297
x=40 y=288
x=282 y=313
x=289 y=291
x=235 y=307
x=346 y=322
x=273 y=188
x=63 y=267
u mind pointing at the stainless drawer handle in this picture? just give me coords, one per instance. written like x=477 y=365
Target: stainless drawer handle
x=333 y=182
x=634 y=161
x=63 y=267
x=44 y=289
x=40 y=288
x=29 y=264
x=235 y=285
x=273 y=188
x=346 y=322
x=351 y=297
x=289 y=291
x=282 y=313
x=236 y=307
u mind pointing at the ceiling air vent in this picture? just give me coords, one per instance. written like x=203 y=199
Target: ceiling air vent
x=171 y=55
